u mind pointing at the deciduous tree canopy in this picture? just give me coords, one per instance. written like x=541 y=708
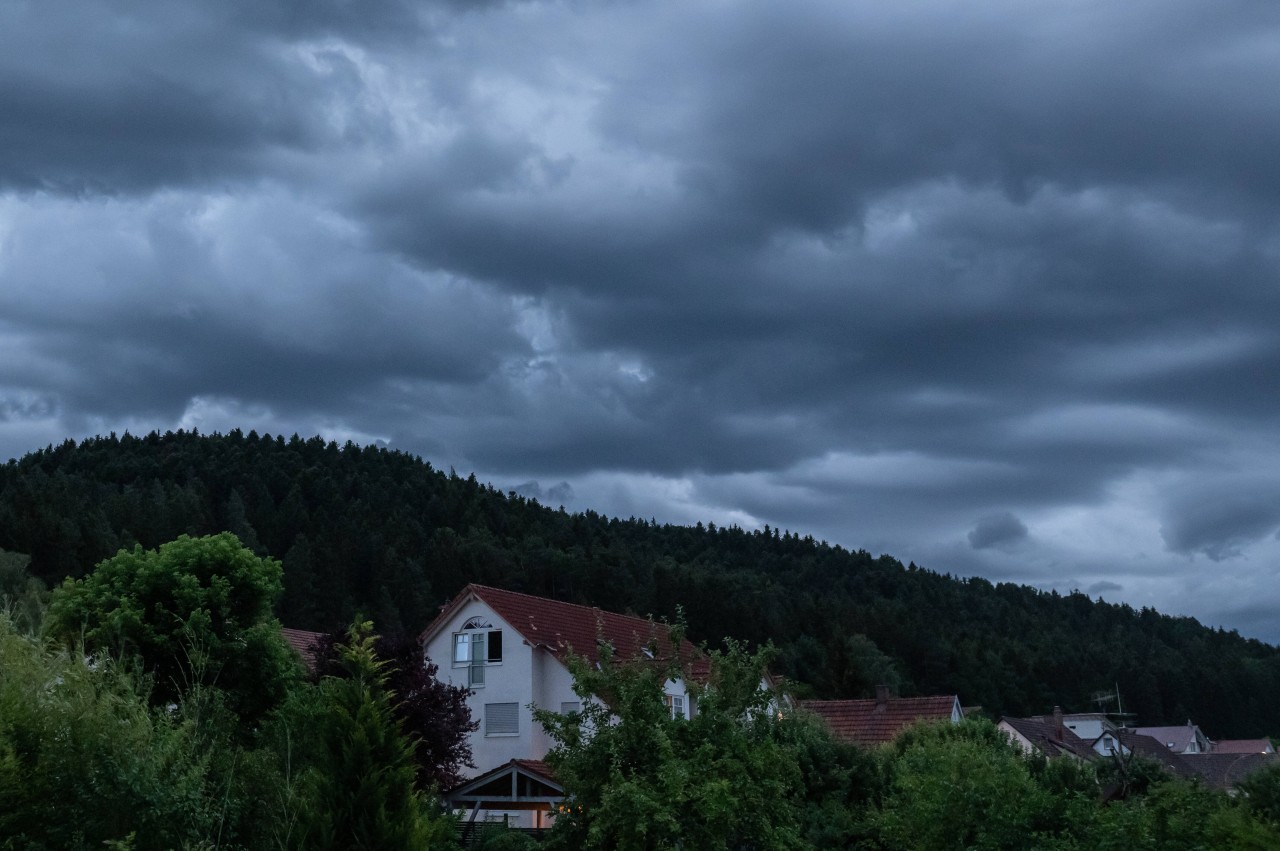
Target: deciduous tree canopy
x=195 y=611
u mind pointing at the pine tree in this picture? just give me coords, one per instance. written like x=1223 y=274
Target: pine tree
x=362 y=794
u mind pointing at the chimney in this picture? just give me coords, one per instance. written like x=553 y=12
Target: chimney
x=1057 y=723
x=882 y=697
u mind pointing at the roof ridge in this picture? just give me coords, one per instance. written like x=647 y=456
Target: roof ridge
x=648 y=618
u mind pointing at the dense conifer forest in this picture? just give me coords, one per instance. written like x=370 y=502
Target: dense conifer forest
x=379 y=532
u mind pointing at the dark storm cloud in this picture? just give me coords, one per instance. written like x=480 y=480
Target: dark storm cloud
x=879 y=272
x=129 y=96
x=1219 y=518
x=997 y=530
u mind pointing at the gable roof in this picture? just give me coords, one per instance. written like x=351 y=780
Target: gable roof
x=1243 y=746
x=517 y=780
x=1225 y=770
x=1046 y=738
x=1177 y=738
x=561 y=628
x=1155 y=750
x=304 y=643
x=879 y=721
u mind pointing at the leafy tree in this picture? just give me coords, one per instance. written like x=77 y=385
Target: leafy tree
x=958 y=787
x=639 y=779
x=85 y=761
x=197 y=611
x=1261 y=792
x=432 y=712
x=360 y=793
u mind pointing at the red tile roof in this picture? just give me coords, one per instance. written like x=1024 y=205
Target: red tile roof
x=1243 y=746
x=536 y=766
x=563 y=627
x=872 y=722
x=304 y=644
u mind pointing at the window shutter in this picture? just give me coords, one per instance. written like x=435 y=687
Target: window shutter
x=501 y=718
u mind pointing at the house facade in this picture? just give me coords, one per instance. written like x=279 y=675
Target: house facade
x=1048 y=735
x=511 y=651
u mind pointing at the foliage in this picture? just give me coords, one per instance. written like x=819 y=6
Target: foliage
x=367 y=529
x=640 y=779
x=498 y=837
x=360 y=793
x=842 y=783
x=197 y=611
x=1261 y=792
x=432 y=712
x=960 y=786
x=84 y=761
x=22 y=595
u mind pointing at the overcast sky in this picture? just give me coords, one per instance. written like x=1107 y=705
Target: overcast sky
x=990 y=286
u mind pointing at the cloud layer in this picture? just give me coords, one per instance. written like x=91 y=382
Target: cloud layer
x=987 y=286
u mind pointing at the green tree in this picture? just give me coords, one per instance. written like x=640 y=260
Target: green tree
x=639 y=779
x=1261 y=792
x=197 y=611
x=959 y=787
x=84 y=760
x=360 y=791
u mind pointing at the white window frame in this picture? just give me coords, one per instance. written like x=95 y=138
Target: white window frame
x=471 y=650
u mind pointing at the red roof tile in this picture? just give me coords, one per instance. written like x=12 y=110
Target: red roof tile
x=563 y=627
x=1243 y=746
x=536 y=766
x=304 y=644
x=870 y=722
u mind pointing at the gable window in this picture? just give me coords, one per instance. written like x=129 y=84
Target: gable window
x=502 y=719
x=675 y=704
x=477 y=645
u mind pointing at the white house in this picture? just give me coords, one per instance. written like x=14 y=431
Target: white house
x=510 y=649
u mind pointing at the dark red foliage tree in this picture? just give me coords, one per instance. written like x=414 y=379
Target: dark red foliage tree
x=431 y=712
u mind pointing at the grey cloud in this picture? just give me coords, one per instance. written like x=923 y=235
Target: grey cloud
x=868 y=271
x=1220 y=516
x=560 y=493
x=997 y=530
x=1104 y=587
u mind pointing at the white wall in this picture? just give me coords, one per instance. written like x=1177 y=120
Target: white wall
x=525 y=676
x=510 y=681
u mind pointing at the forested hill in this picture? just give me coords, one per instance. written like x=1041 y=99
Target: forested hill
x=381 y=532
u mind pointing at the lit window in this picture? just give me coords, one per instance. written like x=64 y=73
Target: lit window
x=461 y=648
x=475 y=649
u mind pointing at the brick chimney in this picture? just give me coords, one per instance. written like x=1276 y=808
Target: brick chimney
x=882 y=697
x=1057 y=723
